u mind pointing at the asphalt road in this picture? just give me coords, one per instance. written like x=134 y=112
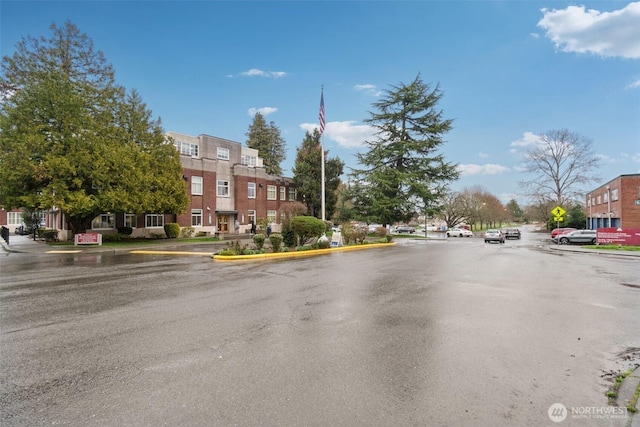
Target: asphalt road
x=453 y=332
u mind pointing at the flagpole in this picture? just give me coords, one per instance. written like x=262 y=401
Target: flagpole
x=322 y=122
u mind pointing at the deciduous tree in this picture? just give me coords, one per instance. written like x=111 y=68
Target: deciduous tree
x=560 y=166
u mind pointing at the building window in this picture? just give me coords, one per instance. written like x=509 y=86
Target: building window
x=223 y=188
x=196 y=185
x=14 y=218
x=223 y=153
x=605 y=197
x=292 y=194
x=154 y=220
x=283 y=193
x=103 y=222
x=271 y=216
x=598 y=200
x=251 y=190
x=252 y=216
x=186 y=149
x=614 y=194
x=249 y=160
x=196 y=217
x=271 y=192
x=130 y=220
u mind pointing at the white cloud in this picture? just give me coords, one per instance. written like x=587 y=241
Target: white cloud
x=633 y=85
x=535 y=35
x=255 y=72
x=265 y=111
x=607 y=34
x=368 y=88
x=483 y=155
x=528 y=139
x=348 y=134
x=487 y=169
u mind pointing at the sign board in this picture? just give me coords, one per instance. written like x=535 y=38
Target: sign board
x=558 y=211
x=618 y=236
x=336 y=239
x=88 y=239
x=558 y=218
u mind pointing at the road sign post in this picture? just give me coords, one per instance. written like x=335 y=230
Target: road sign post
x=558 y=214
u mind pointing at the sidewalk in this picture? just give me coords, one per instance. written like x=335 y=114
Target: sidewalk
x=26 y=244
x=579 y=249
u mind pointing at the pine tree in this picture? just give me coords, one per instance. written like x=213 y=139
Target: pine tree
x=307 y=175
x=269 y=143
x=402 y=173
x=71 y=137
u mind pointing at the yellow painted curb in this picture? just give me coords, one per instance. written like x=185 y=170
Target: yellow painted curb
x=144 y=252
x=297 y=254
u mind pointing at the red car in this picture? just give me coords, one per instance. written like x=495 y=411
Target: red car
x=557 y=231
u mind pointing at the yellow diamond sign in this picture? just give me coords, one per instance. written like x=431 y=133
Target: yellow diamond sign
x=558 y=211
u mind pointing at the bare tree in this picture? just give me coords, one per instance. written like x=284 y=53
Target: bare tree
x=561 y=165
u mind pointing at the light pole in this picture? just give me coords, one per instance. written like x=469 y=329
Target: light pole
x=609 y=204
x=590 y=223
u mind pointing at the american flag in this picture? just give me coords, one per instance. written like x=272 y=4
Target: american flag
x=321 y=115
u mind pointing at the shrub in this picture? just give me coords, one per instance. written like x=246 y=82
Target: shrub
x=49 y=235
x=348 y=233
x=234 y=248
x=323 y=244
x=187 y=231
x=307 y=227
x=258 y=239
x=111 y=237
x=360 y=235
x=276 y=241
x=125 y=231
x=172 y=230
x=289 y=238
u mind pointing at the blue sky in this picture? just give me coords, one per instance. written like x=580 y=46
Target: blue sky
x=509 y=70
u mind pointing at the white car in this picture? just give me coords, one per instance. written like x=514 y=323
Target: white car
x=459 y=232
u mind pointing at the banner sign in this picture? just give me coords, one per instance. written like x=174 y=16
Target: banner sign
x=88 y=239
x=618 y=236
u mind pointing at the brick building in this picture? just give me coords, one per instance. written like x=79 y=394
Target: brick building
x=227 y=186
x=615 y=204
x=227 y=183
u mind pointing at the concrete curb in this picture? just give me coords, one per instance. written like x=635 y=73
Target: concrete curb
x=578 y=249
x=625 y=395
x=297 y=254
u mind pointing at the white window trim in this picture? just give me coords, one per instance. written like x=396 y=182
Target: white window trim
x=197 y=182
x=224 y=185
x=222 y=153
x=272 y=192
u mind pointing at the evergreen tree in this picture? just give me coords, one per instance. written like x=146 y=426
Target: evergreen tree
x=307 y=175
x=70 y=137
x=269 y=143
x=402 y=172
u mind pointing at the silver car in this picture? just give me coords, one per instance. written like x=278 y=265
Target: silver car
x=578 y=236
x=493 y=235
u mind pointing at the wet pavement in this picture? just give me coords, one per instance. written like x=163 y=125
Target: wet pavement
x=450 y=332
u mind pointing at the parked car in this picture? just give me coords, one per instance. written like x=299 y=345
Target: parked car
x=459 y=232
x=493 y=235
x=511 y=233
x=578 y=236
x=23 y=230
x=405 y=229
x=556 y=231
